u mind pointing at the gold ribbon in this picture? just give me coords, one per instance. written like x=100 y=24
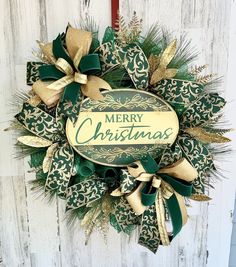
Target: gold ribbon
x=78 y=43
x=181 y=169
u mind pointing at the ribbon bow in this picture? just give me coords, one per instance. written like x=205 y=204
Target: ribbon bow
x=73 y=70
x=59 y=162
x=150 y=190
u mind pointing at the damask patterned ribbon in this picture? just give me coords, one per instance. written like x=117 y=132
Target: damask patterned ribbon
x=130 y=56
x=63 y=162
x=85 y=192
x=148 y=188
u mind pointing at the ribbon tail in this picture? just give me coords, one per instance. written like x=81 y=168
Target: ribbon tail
x=71 y=93
x=160 y=213
x=69 y=105
x=182 y=208
x=60 y=170
x=85 y=192
x=124 y=216
x=175 y=214
x=149 y=234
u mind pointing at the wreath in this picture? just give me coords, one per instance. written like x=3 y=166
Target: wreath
x=123 y=130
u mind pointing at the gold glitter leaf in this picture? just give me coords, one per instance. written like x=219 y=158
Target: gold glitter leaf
x=157 y=75
x=200 y=197
x=48 y=158
x=206 y=137
x=198 y=69
x=153 y=61
x=170 y=73
x=33 y=141
x=162 y=72
x=128 y=33
x=34 y=100
x=205 y=78
x=168 y=54
x=47 y=54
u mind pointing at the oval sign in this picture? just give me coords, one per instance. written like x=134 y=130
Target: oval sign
x=123 y=127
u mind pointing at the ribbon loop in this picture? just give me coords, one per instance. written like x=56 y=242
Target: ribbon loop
x=80 y=78
x=62 y=65
x=156 y=182
x=78 y=57
x=167 y=190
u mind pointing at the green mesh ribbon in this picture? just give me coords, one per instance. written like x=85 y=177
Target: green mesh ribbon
x=83 y=167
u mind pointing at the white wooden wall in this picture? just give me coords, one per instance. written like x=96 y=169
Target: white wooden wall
x=33 y=233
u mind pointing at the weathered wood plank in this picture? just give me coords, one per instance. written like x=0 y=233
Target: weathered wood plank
x=43 y=227
x=14 y=237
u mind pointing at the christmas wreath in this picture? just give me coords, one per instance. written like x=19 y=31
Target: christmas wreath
x=123 y=129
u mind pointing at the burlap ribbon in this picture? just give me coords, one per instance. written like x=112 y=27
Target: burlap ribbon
x=73 y=70
x=163 y=188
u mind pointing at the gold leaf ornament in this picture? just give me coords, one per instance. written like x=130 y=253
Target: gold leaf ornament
x=206 y=137
x=47 y=54
x=34 y=100
x=128 y=33
x=200 y=197
x=162 y=72
x=34 y=141
x=153 y=61
x=48 y=158
x=204 y=79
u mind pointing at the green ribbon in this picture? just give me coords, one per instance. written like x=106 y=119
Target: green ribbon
x=107 y=172
x=59 y=51
x=50 y=72
x=83 y=167
x=149 y=164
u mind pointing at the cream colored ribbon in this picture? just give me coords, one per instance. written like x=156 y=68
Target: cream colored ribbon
x=71 y=76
